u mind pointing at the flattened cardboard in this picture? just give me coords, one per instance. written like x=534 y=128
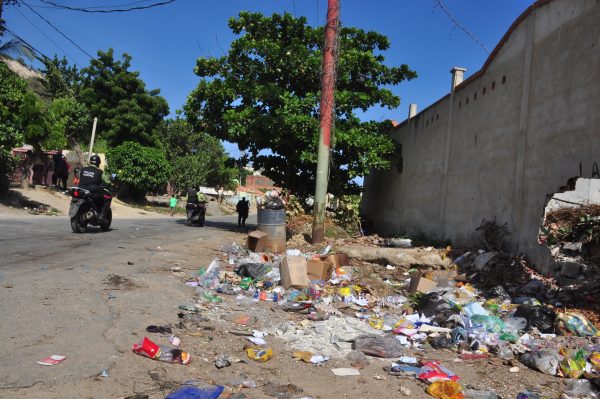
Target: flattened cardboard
x=319 y=269
x=257 y=241
x=293 y=272
x=421 y=284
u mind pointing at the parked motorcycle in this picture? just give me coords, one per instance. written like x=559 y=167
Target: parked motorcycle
x=196 y=213
x=84 y=210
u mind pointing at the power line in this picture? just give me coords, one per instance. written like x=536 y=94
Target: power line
x=43 y=33
x=92 y=7
x=91 y=10
x=58 y=30
x=471 y=35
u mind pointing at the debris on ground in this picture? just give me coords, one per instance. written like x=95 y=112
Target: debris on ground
x=335 y=307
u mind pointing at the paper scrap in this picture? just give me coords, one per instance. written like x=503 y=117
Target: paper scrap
x=343 y=372
x=257 y=341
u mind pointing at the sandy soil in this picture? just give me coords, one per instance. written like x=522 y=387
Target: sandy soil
x=59 y=201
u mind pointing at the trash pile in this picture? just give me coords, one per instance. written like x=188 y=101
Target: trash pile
x=485 y=305
x=573 y=236
x=273 y=201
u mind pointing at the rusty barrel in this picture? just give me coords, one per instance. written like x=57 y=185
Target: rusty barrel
x=272 y=222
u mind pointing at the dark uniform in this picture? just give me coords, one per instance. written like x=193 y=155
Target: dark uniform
x=90 y=178
x=242 y=209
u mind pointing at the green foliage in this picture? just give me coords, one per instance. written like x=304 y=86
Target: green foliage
x=264 y=95
x=138 y=168
x=68 y=119
x=61 y=79
x=12 y=92
x=197 y=158
x=126 y=110
x=347 y=213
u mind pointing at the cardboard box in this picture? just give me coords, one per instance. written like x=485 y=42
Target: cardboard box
x=257 y=241
x=421 y=284
x=319 y=269
x=293 y=272
x=338 y=260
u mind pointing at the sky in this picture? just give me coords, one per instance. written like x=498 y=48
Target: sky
x=165 y=41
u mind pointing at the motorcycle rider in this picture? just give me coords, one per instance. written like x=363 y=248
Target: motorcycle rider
x=92 y=178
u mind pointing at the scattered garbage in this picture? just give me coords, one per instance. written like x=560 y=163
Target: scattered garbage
x=484 y=307
x=51 y=360
x=166 y=354
x=260 y=354
x=379 y=346
x=195 y=390
x=543 y=360
x=345 y=372
x=445 y=390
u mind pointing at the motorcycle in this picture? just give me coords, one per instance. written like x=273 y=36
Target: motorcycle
x=196 y=213
x=83 y=210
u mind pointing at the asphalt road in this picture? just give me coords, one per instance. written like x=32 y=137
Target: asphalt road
x=56 y=297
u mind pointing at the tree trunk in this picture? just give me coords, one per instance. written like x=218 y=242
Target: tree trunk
x=77 y=148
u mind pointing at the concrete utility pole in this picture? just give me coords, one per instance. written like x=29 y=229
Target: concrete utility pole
x=328 y=78
x=93 y=136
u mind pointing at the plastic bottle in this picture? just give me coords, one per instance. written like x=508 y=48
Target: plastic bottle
x=210 y=279
x=477 y=394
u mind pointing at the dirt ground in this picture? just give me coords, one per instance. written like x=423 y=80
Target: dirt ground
x=89 y=297
x=153 y=298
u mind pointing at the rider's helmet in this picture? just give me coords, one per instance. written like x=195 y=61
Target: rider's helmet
x=95 y=160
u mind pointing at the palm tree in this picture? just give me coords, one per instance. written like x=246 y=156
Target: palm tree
x=15 y=48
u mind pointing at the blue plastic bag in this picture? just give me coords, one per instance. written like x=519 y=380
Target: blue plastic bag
x=192 y=392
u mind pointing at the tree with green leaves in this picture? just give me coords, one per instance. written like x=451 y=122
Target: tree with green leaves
x=197 y=158
x=61 y=79
x=12 y=92
x=125 y=109
x=138 y=169
x=264 y=95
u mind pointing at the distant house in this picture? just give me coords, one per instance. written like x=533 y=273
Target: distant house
x=259 y=182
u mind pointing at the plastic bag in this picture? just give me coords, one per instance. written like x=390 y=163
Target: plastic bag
x=474 y=308
x=255 y=271
x=573 y=364
x=543 y=360
x=433 y=304
x=515 y=324
x=210 y=278
x=445 y=390
x=579 y=389
x=492 y=324
x=379 y=346
x=259 y=354
x=433 y=371
x=189 y=391
x=570 y=323
x=537 y=316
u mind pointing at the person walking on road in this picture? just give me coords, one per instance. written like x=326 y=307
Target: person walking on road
x=242 y=209
x=173 y=204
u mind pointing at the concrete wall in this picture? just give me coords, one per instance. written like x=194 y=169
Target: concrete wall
x=505 y=139
x=587 y=191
